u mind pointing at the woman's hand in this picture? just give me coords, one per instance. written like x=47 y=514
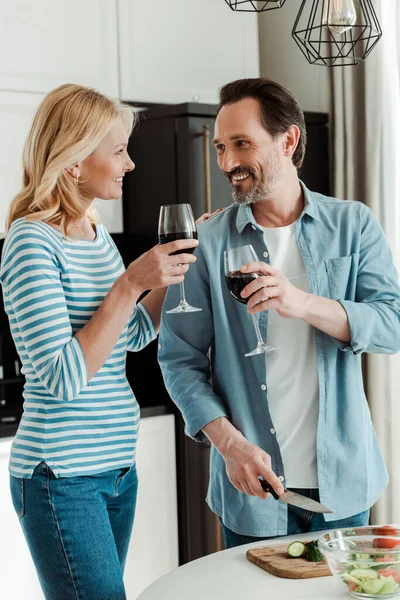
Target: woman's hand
x=273 y=290
x=207 y=216
x=158 y=269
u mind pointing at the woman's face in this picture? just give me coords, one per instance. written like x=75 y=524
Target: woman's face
x=101 y=173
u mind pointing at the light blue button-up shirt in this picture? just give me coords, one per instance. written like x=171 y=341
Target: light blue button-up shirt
x=347 y=258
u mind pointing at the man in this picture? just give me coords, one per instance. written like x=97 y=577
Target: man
x=327 y=292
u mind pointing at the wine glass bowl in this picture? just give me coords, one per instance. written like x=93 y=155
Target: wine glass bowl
x=236 y=281
x=176 y=222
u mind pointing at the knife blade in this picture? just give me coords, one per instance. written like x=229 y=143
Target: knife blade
x=295 y=499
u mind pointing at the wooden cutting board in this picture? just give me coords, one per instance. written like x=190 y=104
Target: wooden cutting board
x=275 y=560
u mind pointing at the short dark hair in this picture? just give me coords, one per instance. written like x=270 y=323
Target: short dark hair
x=279 y=109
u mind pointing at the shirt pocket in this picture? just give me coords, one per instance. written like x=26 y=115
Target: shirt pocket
x=339 y=276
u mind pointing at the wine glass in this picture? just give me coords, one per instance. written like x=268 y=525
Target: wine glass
x=236 y=281
x=177 y=222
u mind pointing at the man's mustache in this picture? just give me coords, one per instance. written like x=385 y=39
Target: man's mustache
x=238 y=171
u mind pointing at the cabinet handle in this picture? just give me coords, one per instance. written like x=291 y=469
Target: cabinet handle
x=207 y=172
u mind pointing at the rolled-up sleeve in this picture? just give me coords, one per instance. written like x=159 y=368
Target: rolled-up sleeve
x=374 y=315
x=184 y=344
x=141 y=329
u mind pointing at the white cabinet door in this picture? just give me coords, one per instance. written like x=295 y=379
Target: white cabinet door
x=16 y=114
x=110 y=213
x=183 y=50
x=153 y=550
x=45 y=43
x=18 y=577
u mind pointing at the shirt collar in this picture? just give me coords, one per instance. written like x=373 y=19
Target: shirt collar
x=245 y=214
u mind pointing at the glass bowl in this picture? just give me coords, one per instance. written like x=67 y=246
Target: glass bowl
x=365 y=559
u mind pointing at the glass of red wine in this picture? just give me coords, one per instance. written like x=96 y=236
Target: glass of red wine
x=236 y=281
x=177 y=222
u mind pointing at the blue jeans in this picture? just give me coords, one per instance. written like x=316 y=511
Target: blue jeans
x=299 y=521
x=78 y=530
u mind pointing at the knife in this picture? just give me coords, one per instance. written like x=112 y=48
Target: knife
x=295 y=499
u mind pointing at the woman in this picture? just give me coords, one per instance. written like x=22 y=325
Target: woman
x=73 y=314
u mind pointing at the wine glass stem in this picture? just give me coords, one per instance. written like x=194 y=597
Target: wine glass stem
x=257 y=328
x=182 y=290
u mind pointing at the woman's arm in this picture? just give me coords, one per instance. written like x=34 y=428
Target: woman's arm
x=154 y=269
x=37 y=308
x=153 y=302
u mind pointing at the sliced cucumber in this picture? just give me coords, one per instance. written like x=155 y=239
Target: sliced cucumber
x=389 y=585
x=348 y=577
x=373 y=586
x=296 y=549
x=364 y=574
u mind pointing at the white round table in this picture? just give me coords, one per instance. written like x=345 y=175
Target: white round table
x=229 y=575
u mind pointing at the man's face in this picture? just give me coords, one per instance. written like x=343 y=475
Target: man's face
x=247 y=153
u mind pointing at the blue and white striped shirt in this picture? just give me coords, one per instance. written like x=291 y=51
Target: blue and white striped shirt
x=52 y=286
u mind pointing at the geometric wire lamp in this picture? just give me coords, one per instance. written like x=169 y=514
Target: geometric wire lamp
x=254 y=5
x=336 y=33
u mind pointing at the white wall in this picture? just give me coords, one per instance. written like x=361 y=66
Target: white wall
x=281 y=59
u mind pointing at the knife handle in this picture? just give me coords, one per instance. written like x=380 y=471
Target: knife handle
x=268 y=488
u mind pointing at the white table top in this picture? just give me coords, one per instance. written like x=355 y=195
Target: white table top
x=229 y=575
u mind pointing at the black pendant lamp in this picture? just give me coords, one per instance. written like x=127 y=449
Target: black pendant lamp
x=254 y=5
x=336 y=33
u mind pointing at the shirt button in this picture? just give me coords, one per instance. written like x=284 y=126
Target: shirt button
x=272 y=430
x=263 y=387
x=265 y=255
x=159 y=346
x=281 y=478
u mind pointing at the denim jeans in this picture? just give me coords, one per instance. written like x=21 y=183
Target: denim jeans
x=299 y=521
x=78 y=530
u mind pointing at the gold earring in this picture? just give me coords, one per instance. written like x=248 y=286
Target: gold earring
x=76 y=179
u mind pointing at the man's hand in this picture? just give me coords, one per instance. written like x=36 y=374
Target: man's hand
x=273 y=290
x=245 y=462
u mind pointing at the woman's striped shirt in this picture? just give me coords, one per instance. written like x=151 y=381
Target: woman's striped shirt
x=52 y=286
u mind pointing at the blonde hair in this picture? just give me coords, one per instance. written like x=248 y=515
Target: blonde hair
x=68 y=126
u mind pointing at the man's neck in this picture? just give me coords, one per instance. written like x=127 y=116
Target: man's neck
x=283 y=207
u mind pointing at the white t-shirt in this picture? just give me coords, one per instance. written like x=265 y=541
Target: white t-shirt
x=292 y=376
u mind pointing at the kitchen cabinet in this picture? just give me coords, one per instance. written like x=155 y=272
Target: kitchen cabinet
x=153 y=551
x=45 y=43
x=173 y=153
x=17 y=573
x=183 y=50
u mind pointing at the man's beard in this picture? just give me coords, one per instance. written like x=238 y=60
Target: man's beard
x=263 y=186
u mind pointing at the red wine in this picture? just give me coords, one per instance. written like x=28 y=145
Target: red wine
x=237 y=281
x=165 y=238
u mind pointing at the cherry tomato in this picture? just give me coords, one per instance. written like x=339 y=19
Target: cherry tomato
x=385 y=530
x=385 y=543
x=390 y=572
x=352 y=586
x=386 y=558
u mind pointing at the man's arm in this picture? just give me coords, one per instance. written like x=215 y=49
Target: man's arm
x=183 y=358
x=370 y=323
